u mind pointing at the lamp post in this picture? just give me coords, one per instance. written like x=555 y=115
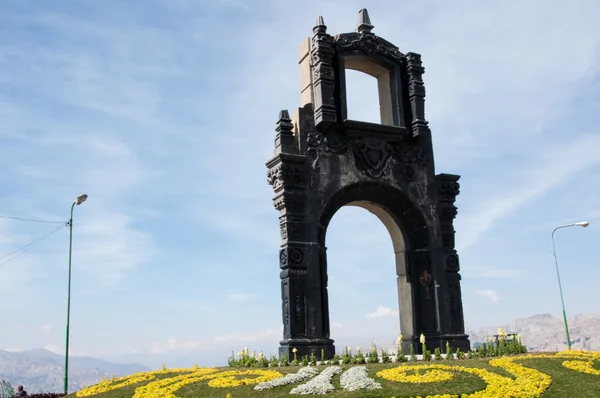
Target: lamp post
x=437 y=310
x=80 y=199
x=577 y=224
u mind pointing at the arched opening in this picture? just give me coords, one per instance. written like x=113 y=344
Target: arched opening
x=368 y=91
x=366 y=301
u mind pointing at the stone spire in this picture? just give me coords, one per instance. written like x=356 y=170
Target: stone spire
x=284 y=139
x=364 y=22
x=320 y=26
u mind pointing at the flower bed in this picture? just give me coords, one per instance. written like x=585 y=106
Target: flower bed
x=320 y=384
x=356 y=378
x=523 y=382
x=290 y=378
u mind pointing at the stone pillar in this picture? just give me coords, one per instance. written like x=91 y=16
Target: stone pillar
x=302 y=262
x=305 y=302
x=323 y=78
x=421 y=263
x=447 y=266
x=416 y=94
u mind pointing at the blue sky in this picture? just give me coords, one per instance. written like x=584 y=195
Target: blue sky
x=164 y=112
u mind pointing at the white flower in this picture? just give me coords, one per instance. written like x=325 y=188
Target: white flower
x=303 y=374
x=356 y=378
x=321 y=384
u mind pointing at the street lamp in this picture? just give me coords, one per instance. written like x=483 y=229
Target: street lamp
x=79 y=200
x=437 y=310
x=577 y=224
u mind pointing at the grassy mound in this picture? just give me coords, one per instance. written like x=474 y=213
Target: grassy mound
x=566 y=374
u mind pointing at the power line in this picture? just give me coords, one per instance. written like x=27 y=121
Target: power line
x=30 y=245
x=32 y=220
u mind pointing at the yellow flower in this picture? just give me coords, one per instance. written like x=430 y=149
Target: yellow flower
x=294 y=350
x=399 y=340
x=228 y=378
x=422 y=339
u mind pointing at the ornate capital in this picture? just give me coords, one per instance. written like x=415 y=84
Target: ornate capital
x=414 y=67
x=448 y=187
x=287 y=171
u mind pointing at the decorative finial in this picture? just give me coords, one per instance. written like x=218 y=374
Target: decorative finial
x=364 y=22
x=284 y=115
x=320 y=26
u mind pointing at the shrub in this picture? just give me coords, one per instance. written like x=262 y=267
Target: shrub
x=437 y=353
x=411 y=353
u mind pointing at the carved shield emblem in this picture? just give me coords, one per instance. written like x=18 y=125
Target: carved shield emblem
x=372 y=156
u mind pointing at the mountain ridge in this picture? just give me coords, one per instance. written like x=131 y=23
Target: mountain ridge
x=41 y=370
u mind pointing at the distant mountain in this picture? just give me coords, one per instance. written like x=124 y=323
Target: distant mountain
x=43 y=371
x=546 y=333
x=541 y=332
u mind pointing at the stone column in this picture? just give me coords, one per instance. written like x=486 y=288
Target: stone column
x=447 y=266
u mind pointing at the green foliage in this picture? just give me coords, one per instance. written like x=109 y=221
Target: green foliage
x=313 y=359
x=504 y=345
x=360 y=358
x=335 y=360
x=385 y=357
x=273 y=362
x=263 y=361
x=400 y=357
x=373 y=355
x=437 y=353
x=426 y=355
x=305 y=360
x=347 y=356
x=295 y=360
x=322 y=356
x=449 y=354
x=411 y=353
x=6 y=390
x=459 y=354
x=283 y=359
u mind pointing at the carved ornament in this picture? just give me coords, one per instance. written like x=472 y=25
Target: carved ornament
x=367 y=43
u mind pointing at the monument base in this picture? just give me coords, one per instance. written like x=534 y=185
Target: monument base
x=319 y=347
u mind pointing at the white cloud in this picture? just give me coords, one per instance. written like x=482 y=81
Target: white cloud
x=491 y=294
x=492 y=272
x=382 y=312
x=45 y=328
x=56 y=349
x=249 y=337
x=541 y=177
x=241 y=296
x=175 y=344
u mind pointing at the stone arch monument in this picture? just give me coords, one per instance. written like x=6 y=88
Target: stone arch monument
x=324 y=161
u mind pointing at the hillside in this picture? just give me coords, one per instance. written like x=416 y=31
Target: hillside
x=547 y=333
x=43 y=371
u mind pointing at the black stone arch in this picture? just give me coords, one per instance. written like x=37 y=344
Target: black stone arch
x=396 y=203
